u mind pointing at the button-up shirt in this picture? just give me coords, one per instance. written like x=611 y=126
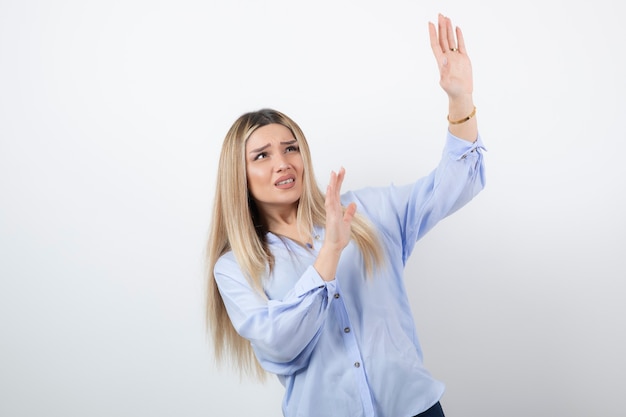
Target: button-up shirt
x=349 y=347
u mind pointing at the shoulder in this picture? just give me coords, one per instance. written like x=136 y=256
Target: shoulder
x=226 y=263
x=374 y=200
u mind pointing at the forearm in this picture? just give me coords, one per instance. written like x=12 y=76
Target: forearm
x=278 y=328
x=456 y=180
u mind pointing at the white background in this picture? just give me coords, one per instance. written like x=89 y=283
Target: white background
x=112 y=115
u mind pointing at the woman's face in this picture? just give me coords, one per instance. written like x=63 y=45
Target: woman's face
x=274 y=168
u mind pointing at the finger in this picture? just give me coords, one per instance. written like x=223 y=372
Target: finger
x=461 y=40
x=434 y=42
x=333 y=179
x=340 y=176
x=443 y=36
x=333 y=191
x=330 y=189
x=450 y=34
x=348 y=215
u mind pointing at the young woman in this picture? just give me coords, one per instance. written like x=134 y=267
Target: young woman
x=308 y=285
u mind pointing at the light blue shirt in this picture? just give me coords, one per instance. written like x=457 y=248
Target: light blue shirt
x=349 y=347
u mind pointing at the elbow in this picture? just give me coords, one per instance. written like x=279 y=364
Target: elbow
x=278 y=356
x=281 y=351
x=268 y=345
x=282 y=361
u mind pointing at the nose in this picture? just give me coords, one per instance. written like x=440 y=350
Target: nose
x=282 y=164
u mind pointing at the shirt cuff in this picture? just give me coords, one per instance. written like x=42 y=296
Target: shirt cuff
x=458 y=148
x=312 y=281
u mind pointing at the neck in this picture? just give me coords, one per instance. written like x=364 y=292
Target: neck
x=284 y=222
x=280 y=218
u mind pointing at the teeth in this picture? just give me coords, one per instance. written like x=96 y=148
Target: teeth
x=290 y=180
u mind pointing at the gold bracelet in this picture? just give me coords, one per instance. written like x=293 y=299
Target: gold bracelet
x=463 y=120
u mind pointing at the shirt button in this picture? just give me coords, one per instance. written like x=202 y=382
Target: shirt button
x=346 y=330
x=337 y=295
x=357 y=365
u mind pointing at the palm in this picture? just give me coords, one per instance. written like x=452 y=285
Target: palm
x=455 y=67
x=338 y=220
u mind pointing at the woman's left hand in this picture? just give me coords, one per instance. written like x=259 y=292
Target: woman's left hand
x=455 y=71
x=455 y=68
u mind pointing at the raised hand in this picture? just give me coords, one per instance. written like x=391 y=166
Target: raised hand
x=338 y=228
x=338 y=221
x=455 y=68
x=455 y=77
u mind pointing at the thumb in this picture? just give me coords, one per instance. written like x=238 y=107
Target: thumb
x=348 y=215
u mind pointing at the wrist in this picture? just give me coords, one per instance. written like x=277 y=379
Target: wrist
x=330 y=252
x=327 y=261
x=460 y=107
x=462 y=120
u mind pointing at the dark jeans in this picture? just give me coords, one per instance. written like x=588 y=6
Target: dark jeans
x=434 y=411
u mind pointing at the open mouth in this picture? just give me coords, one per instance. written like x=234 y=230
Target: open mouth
x=286 y=181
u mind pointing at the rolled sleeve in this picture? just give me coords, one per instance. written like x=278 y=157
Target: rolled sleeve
x=312 y=281
x=457 y=148
x=280 y=331
x=406 y=213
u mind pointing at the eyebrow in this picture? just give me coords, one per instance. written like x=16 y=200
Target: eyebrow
x=290 y=142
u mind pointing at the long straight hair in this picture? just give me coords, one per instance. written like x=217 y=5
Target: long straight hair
x=237 y=226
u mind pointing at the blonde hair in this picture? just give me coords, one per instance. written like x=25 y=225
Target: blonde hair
x=238 y=227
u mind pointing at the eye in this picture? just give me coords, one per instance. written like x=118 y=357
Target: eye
x=260 y=156
x=292 y=148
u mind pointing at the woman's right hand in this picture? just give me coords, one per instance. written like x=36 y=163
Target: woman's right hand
x=338 y=228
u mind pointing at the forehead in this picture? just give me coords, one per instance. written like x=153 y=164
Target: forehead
x=272 y=134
